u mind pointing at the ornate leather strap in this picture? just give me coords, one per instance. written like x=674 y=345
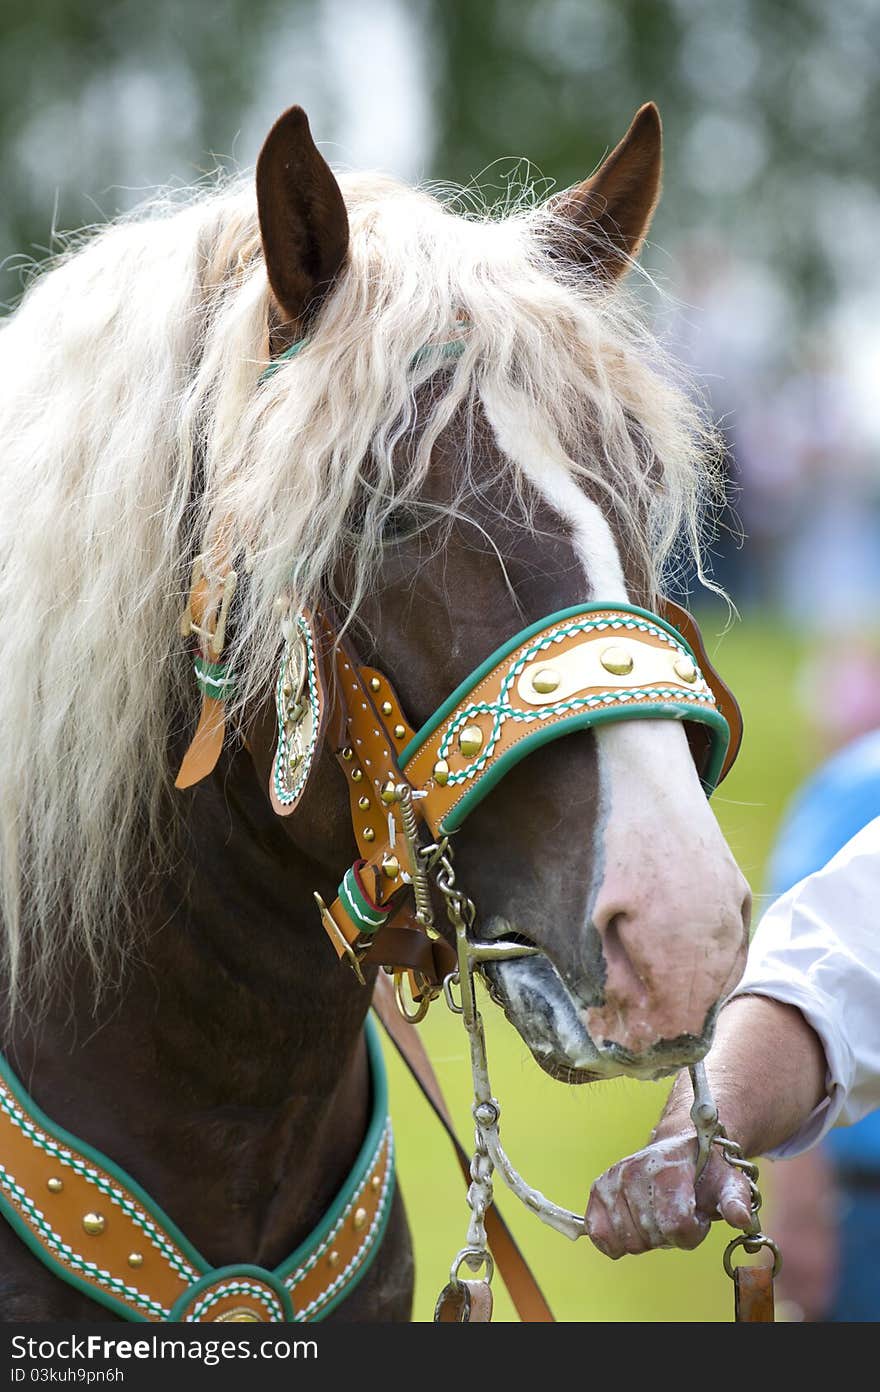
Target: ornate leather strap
x=92 y=1225
x=578 y=669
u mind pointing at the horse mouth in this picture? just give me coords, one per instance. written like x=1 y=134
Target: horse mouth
x=549 y=1018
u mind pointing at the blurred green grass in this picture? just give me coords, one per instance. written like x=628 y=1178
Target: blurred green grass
x=562 y=1138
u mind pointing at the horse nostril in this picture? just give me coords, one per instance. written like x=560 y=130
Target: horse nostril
x=622 y=974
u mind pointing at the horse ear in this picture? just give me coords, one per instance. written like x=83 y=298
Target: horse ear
x=614 y=207
x=303 y=222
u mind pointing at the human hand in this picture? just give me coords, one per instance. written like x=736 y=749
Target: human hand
x=650 y=1200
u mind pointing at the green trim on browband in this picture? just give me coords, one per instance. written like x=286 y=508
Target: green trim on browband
x=453 y=349
x=274 y=365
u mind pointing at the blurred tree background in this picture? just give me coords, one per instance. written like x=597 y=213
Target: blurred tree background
x=767 y=239
x=769 y=106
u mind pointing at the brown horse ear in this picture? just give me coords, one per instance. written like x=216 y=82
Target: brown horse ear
x=613 y=208
x=303 y=221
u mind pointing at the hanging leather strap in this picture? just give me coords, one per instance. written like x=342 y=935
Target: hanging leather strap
x=753 y=1299
x=524 y=1290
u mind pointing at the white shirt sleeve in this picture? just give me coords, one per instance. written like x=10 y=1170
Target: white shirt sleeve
x=818 y=948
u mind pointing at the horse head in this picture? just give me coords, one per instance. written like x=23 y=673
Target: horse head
x=479 y=438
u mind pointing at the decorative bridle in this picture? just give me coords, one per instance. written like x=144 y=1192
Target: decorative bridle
x=411 y=791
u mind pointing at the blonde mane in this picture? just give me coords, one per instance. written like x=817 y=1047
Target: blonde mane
x=132 y=383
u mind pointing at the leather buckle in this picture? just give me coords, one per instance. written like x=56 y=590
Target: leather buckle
x=196 y=618
x=340 y=941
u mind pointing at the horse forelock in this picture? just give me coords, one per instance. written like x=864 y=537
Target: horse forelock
x=148 y=344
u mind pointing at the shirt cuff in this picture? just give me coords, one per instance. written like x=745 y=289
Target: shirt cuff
x=826 y=1113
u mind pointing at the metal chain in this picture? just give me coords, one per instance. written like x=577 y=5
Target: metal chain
x=704 y=1114
x=752 y=1239
x=461 y=912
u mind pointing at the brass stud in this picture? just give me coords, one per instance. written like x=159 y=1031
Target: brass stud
x=375 y=684
x=617 y=661
x=94 y=1223
x=685 y=668
x=369 y=834
x=360 y=1219
x=135 y=1258
x=357 y=775
x=333 y=1258
x=470 y=741
x=389 y=792
x=391 y=867
x=363 y=803
x=386 y=708
x=54 y=1185
x=347 y=753
x=441 y=773
x=376 y=1183
x=545 y=680
x=400 y=732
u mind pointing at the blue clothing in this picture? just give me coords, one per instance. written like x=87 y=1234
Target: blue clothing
x=832 y=807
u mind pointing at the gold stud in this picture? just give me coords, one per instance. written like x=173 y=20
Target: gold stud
x=347 y=753
x=363 y=802
x=685 y=668
x=135 y=1258
x=389 y=792
x=376 y=1183
x=360 y=1219
x=94 y=1223
x=545 y=680
x=54 y=1185
x=386 y=708
x=391 y=867
x=333 y=1258
x=470 y=741
x=441 y=773
x=375 y=684
x=357 y=775
x=617 y=661
x=399 y=731
x=369 y=834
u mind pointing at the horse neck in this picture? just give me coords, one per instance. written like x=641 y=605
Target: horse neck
x=233 y=1056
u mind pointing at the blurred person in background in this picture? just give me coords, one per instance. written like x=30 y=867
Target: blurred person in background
x=825 y=1210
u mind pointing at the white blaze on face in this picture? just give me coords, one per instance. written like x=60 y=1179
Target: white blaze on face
x=659 y=859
